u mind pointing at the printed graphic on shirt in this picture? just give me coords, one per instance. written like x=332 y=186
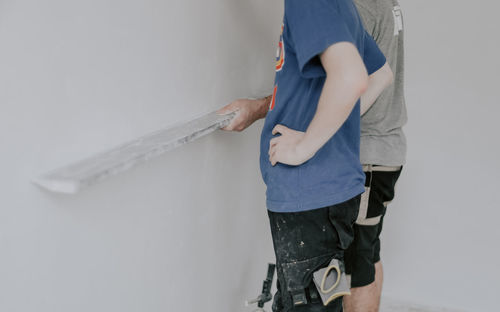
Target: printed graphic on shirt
x=273 y=100
x=398 y=20
x=280 y=54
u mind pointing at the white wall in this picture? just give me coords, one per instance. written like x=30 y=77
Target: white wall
x=188 y=231
x=441 y=236
x=185 y=232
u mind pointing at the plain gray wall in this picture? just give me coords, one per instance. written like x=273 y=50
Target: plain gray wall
x=188 y=231
x=184 y=232
x=441 y=236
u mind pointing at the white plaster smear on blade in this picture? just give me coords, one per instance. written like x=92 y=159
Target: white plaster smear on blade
x=71 y=178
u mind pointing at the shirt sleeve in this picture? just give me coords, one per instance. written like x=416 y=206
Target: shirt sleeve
x=365 y=9
x=373 y=58
x=314 y=25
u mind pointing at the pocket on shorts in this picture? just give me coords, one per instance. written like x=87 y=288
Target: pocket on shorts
x=298 y=274
x=342 y=217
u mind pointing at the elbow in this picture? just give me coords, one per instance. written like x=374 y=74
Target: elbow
x=354 y=82
x=358 y=83
x=362 y=85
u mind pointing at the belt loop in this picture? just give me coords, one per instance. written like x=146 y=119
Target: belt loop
x=367 y=168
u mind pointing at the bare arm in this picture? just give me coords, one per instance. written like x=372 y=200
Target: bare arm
x=377 y=82
x=248 y=111
x=251 y=110
x=346 y=80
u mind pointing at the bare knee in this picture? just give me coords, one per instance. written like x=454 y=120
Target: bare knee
x=362 y=299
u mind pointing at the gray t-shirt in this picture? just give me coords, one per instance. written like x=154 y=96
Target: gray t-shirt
x=382 y=139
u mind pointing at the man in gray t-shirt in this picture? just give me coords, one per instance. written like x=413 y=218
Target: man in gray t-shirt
x=383 y=153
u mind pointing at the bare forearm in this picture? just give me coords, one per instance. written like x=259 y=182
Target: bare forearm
x=335 y=104
x=346 y=80
x=377 y=82
x=262 y=107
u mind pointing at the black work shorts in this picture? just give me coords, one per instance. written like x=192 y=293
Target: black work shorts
x=305 y=242
x=364 y=252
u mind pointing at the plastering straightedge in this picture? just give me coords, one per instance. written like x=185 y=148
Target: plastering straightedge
x=73 y=177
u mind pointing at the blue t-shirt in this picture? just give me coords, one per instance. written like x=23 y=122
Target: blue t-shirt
x=334 y=174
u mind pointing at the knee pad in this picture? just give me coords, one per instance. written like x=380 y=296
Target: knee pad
x=331 y=282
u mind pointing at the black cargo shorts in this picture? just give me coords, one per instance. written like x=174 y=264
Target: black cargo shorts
x=305 y=242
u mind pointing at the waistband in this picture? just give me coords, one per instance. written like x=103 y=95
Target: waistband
x=375 y=168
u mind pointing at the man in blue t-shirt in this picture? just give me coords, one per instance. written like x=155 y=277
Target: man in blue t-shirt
x=310 y=146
